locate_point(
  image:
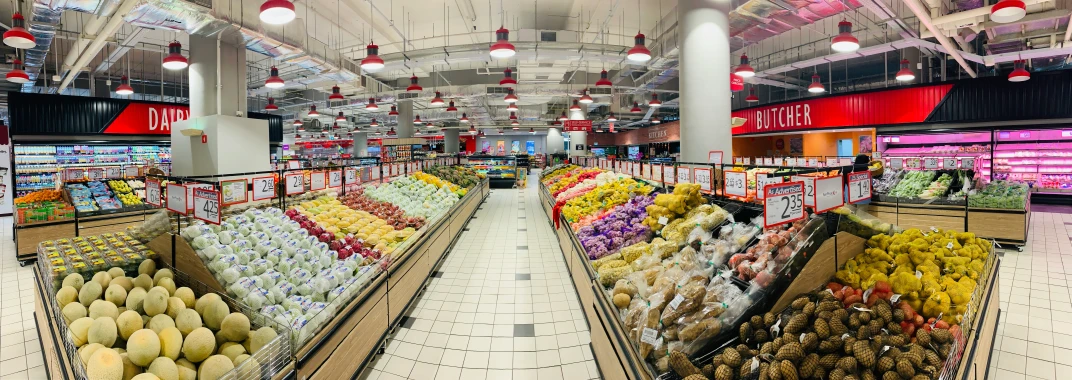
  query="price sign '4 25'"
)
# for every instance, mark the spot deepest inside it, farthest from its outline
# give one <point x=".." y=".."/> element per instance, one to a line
<point x="784" y="203"/>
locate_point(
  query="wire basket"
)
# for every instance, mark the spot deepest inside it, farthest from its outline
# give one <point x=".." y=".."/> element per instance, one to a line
<point x="264" y="364"/>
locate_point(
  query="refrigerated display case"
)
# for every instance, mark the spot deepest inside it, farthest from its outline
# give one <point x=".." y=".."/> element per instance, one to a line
<point x="940" y="146"/>
<point x="498" y="169"/>
<point x="37" y="166"/>
<point x="1042" y="159"/>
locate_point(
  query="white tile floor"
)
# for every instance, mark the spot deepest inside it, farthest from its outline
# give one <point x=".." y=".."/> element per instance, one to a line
<point x="20" y="349"/>
<point x="503" y="308"/>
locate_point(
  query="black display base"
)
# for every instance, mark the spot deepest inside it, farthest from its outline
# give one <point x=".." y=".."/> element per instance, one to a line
<point x="1056" y="199"/>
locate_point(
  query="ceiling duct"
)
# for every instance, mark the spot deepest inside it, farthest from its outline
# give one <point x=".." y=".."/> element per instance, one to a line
<point x="44" y="21"/>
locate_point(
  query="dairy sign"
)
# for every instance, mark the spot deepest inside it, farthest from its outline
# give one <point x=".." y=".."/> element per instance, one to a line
<point x="139" y="118"/>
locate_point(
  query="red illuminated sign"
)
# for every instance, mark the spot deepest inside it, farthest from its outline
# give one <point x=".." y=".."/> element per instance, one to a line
<point x="577" y="125"/>
<point x="147" y="119"/>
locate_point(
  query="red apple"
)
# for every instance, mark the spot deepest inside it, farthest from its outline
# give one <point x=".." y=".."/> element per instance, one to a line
<point x="325" y="237"/>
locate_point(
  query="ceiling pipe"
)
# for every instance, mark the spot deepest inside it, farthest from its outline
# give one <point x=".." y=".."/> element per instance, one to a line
<point x="98" y="42"/>
<point x="984" y="11"/>
<point x="925" y="19"/>
<point x="89" y="31"/>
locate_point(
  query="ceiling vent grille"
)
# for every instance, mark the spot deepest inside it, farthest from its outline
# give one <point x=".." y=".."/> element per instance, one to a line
<point x="408" y="95"/>
<point x="543" y="77"/>
<point x="547" y="64"/>
<point x="497" y="90"/>
<point x="548" y="36"/>
<point x="599" y="91"/>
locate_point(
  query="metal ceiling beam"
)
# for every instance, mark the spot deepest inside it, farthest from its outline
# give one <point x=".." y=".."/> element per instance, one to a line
<point x="925" y="19"/>
<point x="125" y="45"/>
<point x="365" y="13"/>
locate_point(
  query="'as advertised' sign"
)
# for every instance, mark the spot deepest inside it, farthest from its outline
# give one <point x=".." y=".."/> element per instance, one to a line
<point x="207" y="205"/>
<point x="784" y="203"/>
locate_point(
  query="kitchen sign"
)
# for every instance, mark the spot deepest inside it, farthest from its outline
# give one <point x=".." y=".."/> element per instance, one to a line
<point x="577" y="126"/>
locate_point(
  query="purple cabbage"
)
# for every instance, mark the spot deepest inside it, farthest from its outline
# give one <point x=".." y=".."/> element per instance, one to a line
<point x="620" y="228"/>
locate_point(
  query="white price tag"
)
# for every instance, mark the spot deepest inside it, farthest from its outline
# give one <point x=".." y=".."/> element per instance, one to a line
<point x="668" y="175"/>
<point x="207" y="205"/>
<point x="949" y="245"/>
<point x="897" y="163"/>
<point x="131" y="171"/>
<point x="645" y="171"/>
<point x="738" y="160"/>
<point x="294" y="183"/>
<point x="762" y="182"/>
<point x="351" y="176"/>
<point x="748" y="160"/>
<point x="674" y="303"/>
<point x="317" y="181"/>
<point x="967" y="163"/>
<point x="375" y="172"/>
<point x="683" y="175"/>
<point x="914" y="163"/>
<point x="828" y="194"/>
<point x="176" y="198"/>
<point x="714" y="157"/>
<point x="845" y="161"/>
<point x="813" y="162"/>
<point x="702" y="177"/>
<point x="636" y="169"/>
<point x="95" y="174"/>
<point x="831" y="162"/>
<point x="809" y="188"/>
<point x="930" y="163"/>
<point x="335" y="178"/>
<point x="791" y="161"/>
<point x="894" y="298"/>
<point x="859" y="186"/>
<point x="113" y="172"/>
<point x="663" y="220"/>
<point x="649" y="336"/>
<point x="234" y="192"/>
<point x="190" y="193"/>
<point x="263" y="188"/>
<point x="293" y="165"/>
<point x="919" y="274"/>
<point x="768" y="161"/>
<point x="735" y="183"/>
<point x="152" y="192"/>
<point x="949" y="163"/>
<point x="784" y="203"/>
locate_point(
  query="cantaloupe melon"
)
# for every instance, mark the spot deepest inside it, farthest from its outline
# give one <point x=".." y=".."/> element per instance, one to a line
<point x="198" y="345"/>
<point x="116" y="294"/>
<point x="90" y="292"/>
<point x="126" y="282"/>
<point x="187" y="370"/>
<point x="66" y="295"/>
<point x="214" y="314"/>
<point x="214" y="367"/>
<point x="260" y="338"/>
<point x="155" y="301"/>
<point x="187" y="321"/>
<point x="164" y="368"/>
<point x="105" y="364"/>
<point x="102" y="308"/>
<point x="87" y="351"/>
<point x="102" y="331"/>
<point x="74" y="280"/>
<point x="231" y="350"/>
<point x="135" y="298"/>
<point x="251" y="370"/>
<point x="162" y="274"/>
<point x="79" y="331"/>
<point x="116" y="272"/>
<point x="174" y="305"/>
<point x="167" y="283"/>
<point x="73" y="311"/>
<point x="128" y="322"/>
<point x="143" y="347"/>
<point x="144" y="282"/>
<point x="186" y="295"/>
<point x="102" y="278"/>
<point x="147" y="267"/>
<point x="235" y="327"/>
<point x="160" y="322"/>
<point x="130" y="370"/>
<point x="145" y="376"/>
<point x="170" y="343"/>
<point x="205" y="300"/>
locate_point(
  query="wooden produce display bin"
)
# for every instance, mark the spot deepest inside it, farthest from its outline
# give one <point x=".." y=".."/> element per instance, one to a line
<point x="1002" y="225"/>
<point x="350" y="341"/>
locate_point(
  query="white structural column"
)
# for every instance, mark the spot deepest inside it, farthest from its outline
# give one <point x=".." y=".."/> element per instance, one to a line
<point x="703" y="26"/>
<point x="405" y="119"/>
<point x="360" y="144"/>
<point x="450" y="141"/>
<point x="554" y="141"/>
<point x="578" y="139"/>
<point x="217" y="78"/>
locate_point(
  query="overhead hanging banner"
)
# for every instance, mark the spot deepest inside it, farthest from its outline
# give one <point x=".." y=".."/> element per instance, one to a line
<point x="577" y="125"/>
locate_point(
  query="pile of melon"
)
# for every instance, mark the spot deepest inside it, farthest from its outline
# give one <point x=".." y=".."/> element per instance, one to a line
<point x="146" y="328"/>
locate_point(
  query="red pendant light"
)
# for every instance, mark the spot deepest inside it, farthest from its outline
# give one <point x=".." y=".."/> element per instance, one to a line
<point x="392" y="132"/>
<point x="845" y="42"/>
<point x="508" y="78"/>
<point x="611" y="118"/>
<point x="277" y="12"/>
<point x="274" y="81"/>
<point x="429" y="125"/>
<point x="271" y="105"/>
<point x="335" y="93"/>
<point x="312" y="111"/>
<point x="174" y="59"/>
<point x="451" y="107"/>
<point x="417" y="132"/>
<point x="464" y="119"/>
<point x="656" y="120"/>
<point x="603" y="81"/>
<point x="585" y="98"/>
<point x="372" y="60"/>
<point x="515" y="123"/>
<point x="297" y="137"/>
<point x="501" y="131"/>
<point x="816" y="86"/>
<point x="480" y="134"/>
<point x="532" y="131"/>
<point x="393" y="112"/>
<point x="556" y="123"/>
<point x="413" y="85"/>
<point x="437" y="100"/>
<point x="335" y="125"/>
<point x="301" y="128"/>
<point x="341" y="117"/>
<point x="17" y="37"/>
<point x="417" y="119"/>
<point x="905" y="74"/>
<point x="18" y="75"/>
<point x="575" y="106"/>
<point x="510" y="97"/>
<point x="502" y="48"/>
<point x="639" y="53"/>
<point x="654" y="102"/>
<point x="563" y="116"/>
<point x="752" y="98"/>
<point x="298" y="122"/>
<point x="511" y="107"/>
<point x="374" y="123"/>
<point x="350" y="134"/>
<point x="371" y="105"/>
<point x="472" y="129"/>
<point x="1005" y="11"/>
<point x="513" y="116"/>
<point x="124" y="86"/>
<point x="636" y="108"/>
<point x="1019" y="73"/>
<point x="745" y="70"/>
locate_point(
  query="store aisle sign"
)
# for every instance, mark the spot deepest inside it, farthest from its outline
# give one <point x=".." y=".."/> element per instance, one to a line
<point x="207" y="205"/>
<point x="263" y="188"/>
<point x="809" y="188"/>
<point x="294" y="183"/>
<point x="930" y="163"/>
<point x="152" y="192"/>
<point x="577" y="126"/>
<point x="784" y="203"/>
<point x="147" y="119"/>
<point x="234" y="192"/>
<point x="317" y="181"/>
<point x="735" y="183"/>
<point x="762" y="182"/>
<point x="702" y="177"/>
<point x="828" y="194"/>
<point x="859" y="186"/>
<point x="176" y="198"/>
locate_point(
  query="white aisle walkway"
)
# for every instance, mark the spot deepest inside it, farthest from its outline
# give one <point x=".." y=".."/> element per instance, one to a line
<point x="503" y="306"/>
